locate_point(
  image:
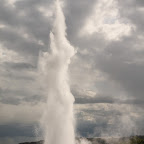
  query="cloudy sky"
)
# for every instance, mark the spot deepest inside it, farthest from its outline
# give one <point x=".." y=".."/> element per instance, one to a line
<point x="106" y="74"/>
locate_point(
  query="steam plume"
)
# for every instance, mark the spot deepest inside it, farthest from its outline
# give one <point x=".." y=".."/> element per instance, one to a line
<point x="58" y="119"/>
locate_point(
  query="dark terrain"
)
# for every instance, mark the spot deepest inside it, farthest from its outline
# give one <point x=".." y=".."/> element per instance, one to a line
<point x="123" y="140"/>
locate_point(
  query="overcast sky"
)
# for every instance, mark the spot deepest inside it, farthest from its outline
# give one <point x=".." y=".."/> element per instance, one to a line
<point x="106" y="74"/>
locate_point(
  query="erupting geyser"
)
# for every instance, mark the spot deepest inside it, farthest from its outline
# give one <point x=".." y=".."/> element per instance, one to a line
<point x="58" y="119"/>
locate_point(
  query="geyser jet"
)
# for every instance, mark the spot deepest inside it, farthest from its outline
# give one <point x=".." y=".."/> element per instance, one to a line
<point x="58" y="118"/>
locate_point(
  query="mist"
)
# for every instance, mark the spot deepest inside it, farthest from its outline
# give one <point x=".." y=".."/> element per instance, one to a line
<point x="58" y="118"/>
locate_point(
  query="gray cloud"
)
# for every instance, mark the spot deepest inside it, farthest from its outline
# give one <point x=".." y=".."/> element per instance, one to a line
<point x="112" y="69"/>
<point x="9" y="100"/>
<point x="108" y="100"/>
<point x="132" y="11"/>
<point x="94" y="100"/>
<point x="16" y="140"/>
<point x="107" y="120"/>
<point x="14" y="41"/>
<point x="20" y="66"/>
<point x="35" y="99"/>
<point x="117" y="63"/>
<point x="32" y="22"/>
<point x="15" y="130"/>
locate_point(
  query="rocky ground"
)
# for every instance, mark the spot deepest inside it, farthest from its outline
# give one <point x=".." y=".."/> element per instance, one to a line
<point x="124" y="140"/>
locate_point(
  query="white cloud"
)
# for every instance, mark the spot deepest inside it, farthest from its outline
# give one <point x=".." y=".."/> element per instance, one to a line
<point x="24" y="30"/>
<point x="24" y="113"/>
<point x="47" y="12"/>
<point x="105" y="19"/>
<point x="7" y="55"/>
<point x="111" y="120"/>
<point x="11" y="2"/>
<point x="2" y="26"/>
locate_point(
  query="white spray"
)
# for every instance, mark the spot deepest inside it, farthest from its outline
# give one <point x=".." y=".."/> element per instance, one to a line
<point x="58" y="119"/>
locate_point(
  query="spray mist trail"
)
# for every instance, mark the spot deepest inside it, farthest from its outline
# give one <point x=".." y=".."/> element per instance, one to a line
<point x="58" y="119"/>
